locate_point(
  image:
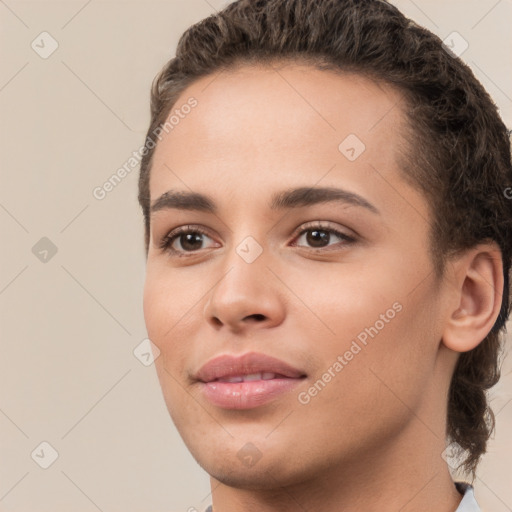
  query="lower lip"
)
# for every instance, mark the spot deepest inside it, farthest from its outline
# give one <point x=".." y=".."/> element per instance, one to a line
<point x="246" y="395"/>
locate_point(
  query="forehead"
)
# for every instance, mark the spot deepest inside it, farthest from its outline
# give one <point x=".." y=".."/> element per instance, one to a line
<point x="281" y="123"/>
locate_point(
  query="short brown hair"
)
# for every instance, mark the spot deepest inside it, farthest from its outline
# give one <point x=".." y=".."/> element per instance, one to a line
<point x="463" y="167"/>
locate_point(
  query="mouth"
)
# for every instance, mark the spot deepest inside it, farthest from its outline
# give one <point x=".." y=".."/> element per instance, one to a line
<point x="249" y="366"/>
<point x="247" y="381"/>
<point x="251" y="377"/>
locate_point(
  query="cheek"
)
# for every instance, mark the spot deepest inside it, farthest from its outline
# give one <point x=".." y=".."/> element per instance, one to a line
<point x="163" y="314"/>
<point x="166" y="306"/>
<point x="340" y="301"/>
<point x="393" y="370"/>
<point x="377" y="386"/>
<point x="168" y="301"/>
<point x="384" y="334"/>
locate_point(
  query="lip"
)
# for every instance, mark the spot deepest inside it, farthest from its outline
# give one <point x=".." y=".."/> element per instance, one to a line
<point x="249" y="394"/>
<point x="227" y="365"/>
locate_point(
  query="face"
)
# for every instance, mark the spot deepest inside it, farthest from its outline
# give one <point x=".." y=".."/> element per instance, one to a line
<point x="340" y="289"/>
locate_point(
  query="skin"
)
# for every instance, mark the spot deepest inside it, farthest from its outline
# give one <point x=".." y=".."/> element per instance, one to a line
<point x="372" y="438"/>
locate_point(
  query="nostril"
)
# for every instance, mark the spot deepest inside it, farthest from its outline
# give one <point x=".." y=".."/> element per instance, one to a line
<point x="257" y="316"/>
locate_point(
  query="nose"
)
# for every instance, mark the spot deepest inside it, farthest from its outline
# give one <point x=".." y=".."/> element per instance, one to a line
<point x="247" y="296"/>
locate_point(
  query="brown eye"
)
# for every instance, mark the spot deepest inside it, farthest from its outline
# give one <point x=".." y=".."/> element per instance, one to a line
<point x="190" y="241"/>
<point x="183" y="240"/>
<point x="319" y="236"/>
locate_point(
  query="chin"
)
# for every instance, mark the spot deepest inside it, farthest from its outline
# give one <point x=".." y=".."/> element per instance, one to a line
<point x="264" y="477"/>
<point x="269" y="469"/>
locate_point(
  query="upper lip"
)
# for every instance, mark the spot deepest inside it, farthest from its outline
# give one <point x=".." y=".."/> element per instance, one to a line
<point x="227" y="365"/>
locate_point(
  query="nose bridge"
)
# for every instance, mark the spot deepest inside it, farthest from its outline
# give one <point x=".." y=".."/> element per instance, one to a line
<point x="249" y="248"/>
<point x="245" y="270"/>
<point x="243" y="291"/>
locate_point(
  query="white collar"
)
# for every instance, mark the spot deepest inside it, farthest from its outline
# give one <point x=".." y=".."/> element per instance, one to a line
<point x="468" y="503"/>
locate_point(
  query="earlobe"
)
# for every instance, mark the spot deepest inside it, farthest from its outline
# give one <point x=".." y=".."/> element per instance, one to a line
<point x="478" y="296"/>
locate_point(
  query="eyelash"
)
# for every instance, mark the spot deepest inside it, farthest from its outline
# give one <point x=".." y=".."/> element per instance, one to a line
<point x="167" y="241"/>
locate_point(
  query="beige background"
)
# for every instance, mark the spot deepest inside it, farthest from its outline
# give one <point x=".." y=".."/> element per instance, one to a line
<point x="68" y="374"/>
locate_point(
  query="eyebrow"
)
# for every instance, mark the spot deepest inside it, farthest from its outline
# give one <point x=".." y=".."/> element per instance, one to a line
<point x="286" y="199"/>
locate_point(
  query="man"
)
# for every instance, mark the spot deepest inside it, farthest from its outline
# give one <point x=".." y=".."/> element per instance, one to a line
<point x="328" y="256"/>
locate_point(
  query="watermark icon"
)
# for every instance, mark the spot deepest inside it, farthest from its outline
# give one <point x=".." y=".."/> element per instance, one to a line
<point x="44" y="455"/>
<point x="351" y="147"/>
<point x="249" y="249"/>
<point x="100" y="192"/>
<point x="146" y="352"/>
<point x="44" y="45"/>
<point x="508" y="192"/>
<point x="304" y="397"/>
<point x="455" y="44"/>
<point x="44" y="250"/>
<point x="452" y="455"/>
<point x="249" y="454"/>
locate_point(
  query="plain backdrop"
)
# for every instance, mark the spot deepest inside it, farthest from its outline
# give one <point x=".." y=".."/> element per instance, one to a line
<point x="72" y="266"/>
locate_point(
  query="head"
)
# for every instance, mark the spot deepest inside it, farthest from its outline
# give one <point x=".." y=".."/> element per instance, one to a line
<point x="277" y="93"/>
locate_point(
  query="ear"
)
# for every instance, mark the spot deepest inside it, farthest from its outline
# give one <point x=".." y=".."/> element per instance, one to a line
<point x="478" y="292"/>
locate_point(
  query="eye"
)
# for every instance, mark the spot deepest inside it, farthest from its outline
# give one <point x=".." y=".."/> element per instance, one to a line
<point x="188" y="237"/>
<point x="319" y="235"/>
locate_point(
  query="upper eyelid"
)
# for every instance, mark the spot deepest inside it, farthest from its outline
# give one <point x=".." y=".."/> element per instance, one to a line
<point x="318" y="224"/>
<point x="303" y="227"/>
<point x="348" y="237"/>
